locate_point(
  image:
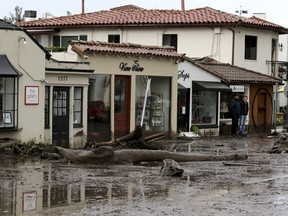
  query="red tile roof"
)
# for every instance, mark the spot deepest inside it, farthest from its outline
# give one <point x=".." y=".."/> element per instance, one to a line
<point x="85" y="47"/>
<point x="131" y="15"/>
<point x="233" y="74"/>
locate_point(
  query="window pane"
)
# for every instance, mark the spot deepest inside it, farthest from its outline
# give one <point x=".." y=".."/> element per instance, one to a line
<point x="56" y="40"/>
<point x="204" y="107"/>
<point x="114" y="38"/>
<point x="66" y="39"/>
<point x="120" y="96"/>
<point x="8" y="102"/>
<point x="99" y="98"/>
<point x="83" y="37"/>
<point x="170" y="40"/>
<point x="77" y="93"/>
<point x="77" y="118"/>
<point x="250" y="47"/>
<point x="9" y="85"/>
<point x="156" y="112"/>
<point x="77" y="105"/>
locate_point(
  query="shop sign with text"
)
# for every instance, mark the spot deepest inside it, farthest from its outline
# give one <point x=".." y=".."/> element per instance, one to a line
<point x="135" y="66"/>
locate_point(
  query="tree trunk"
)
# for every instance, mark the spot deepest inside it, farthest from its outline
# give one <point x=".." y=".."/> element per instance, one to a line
<point x="106" y="154"/>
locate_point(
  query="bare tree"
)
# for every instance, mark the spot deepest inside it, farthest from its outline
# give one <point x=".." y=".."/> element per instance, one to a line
<point x="16" y="17"/>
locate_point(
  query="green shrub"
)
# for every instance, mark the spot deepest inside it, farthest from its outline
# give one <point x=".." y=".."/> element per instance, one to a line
<point x="195" y="129"/>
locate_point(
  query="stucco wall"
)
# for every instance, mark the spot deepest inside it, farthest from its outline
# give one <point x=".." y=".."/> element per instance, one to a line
<point x="264" y="49"/>
<point x="29" y="60"/>
<point x="195" y="42"/>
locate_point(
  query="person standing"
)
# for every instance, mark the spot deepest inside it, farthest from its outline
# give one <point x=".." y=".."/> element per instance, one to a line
<point x="235" y="113"/>
<point x="243" y="114"/>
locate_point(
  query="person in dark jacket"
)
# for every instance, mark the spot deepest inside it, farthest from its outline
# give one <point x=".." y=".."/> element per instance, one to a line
<point x="235" y="113"/>
<point x="243" y="114"/>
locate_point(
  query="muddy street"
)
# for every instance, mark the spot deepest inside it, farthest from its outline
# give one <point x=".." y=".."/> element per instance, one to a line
<point x="257" y="186"/>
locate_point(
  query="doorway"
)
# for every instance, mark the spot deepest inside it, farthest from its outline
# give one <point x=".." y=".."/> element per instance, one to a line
<point x="122" y="105"/>
<point x="60" y="128"/>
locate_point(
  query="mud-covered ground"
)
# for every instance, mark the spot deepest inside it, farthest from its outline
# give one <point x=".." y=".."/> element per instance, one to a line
<point x="258" y="187"/>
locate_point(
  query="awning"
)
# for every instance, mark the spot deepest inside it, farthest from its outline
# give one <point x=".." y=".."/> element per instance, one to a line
<point x="211" y="86"/>
<point x="181" y="86"/>
<point x="6" y="69"/>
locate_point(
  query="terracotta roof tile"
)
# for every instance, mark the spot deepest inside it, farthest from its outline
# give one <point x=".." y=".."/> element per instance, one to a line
<point x="133" y="15"/>
<point x="233" y="74"/>
<point x="85" y="47"/>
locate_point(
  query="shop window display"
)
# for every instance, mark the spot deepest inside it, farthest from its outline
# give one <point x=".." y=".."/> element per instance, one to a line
<point x="204" y="107"/>
<point x="155" y="110"/>
<point x="99" y="95"/>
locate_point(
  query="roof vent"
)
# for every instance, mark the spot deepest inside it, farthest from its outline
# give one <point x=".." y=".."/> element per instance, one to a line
<point x="30" y="15"/>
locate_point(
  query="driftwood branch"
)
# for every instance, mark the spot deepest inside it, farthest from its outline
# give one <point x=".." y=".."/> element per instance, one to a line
<point x="133" y="140"/>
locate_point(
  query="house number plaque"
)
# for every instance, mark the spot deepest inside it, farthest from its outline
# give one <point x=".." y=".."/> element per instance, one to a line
<point x="62" y="78"/>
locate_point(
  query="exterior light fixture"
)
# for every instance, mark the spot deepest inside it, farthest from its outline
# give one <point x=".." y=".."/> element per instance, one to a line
<point x="280" y="47"/>
<point x="22" y="38"/>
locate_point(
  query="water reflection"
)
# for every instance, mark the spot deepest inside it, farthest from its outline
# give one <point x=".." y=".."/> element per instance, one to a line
<point x="33" y="190"/>
<point x="45" y="189"/>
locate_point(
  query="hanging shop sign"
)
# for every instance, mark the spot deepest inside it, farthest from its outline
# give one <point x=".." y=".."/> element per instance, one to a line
<point x="237" y="88"/>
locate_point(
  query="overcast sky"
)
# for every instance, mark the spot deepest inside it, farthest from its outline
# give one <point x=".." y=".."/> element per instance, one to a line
<point x="275" y="10"/>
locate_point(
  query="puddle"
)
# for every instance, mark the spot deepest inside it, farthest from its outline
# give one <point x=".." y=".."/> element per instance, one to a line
<point x="206" y="188"/>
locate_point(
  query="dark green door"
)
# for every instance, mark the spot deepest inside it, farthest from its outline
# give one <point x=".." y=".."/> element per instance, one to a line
<point x="60" y="130"/>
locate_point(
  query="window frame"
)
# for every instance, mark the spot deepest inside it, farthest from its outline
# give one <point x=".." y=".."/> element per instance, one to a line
<point x="78" y="124"/>
<point x="112" y="37"/>
<point x="12" y="113"/>
<point x="171" y="39"/>
<point x="60" y="39"/>
<point x="47" y="112"/>
<point x="249" y="53"/>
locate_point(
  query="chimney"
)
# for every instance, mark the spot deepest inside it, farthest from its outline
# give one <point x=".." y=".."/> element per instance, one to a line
<point x="260" y="15"/>
<point x="83" y="6"/>
<point x="183" y="5"/>
<point x="30" y="15"/>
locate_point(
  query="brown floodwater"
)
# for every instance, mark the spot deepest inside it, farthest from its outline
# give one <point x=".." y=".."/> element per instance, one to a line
<point x="258" y="187"/>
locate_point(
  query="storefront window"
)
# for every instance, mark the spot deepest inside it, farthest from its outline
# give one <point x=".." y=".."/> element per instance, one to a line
<point x="155" y="114"/>
<point x="204" y="107"/>
<point x="99" y="95"/>
<point x="8" y="102"/>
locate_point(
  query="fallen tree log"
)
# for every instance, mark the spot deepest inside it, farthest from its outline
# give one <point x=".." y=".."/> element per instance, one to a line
<point x="106" y="154"/>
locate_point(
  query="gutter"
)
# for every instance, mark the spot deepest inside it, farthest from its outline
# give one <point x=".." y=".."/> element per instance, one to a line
<point x="233" y="45"/>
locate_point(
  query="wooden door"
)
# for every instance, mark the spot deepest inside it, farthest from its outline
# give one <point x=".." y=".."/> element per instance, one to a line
<point x="261" y="118"/>
<point x="122" y="105"/>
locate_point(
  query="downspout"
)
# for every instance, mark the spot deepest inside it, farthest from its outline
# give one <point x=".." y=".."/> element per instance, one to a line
<point x="233" y="45"/>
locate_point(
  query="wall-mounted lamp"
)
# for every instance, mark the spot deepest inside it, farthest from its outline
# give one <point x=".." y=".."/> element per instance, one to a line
<point x="22" y="38"/>
<point x="280" y="47"/>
